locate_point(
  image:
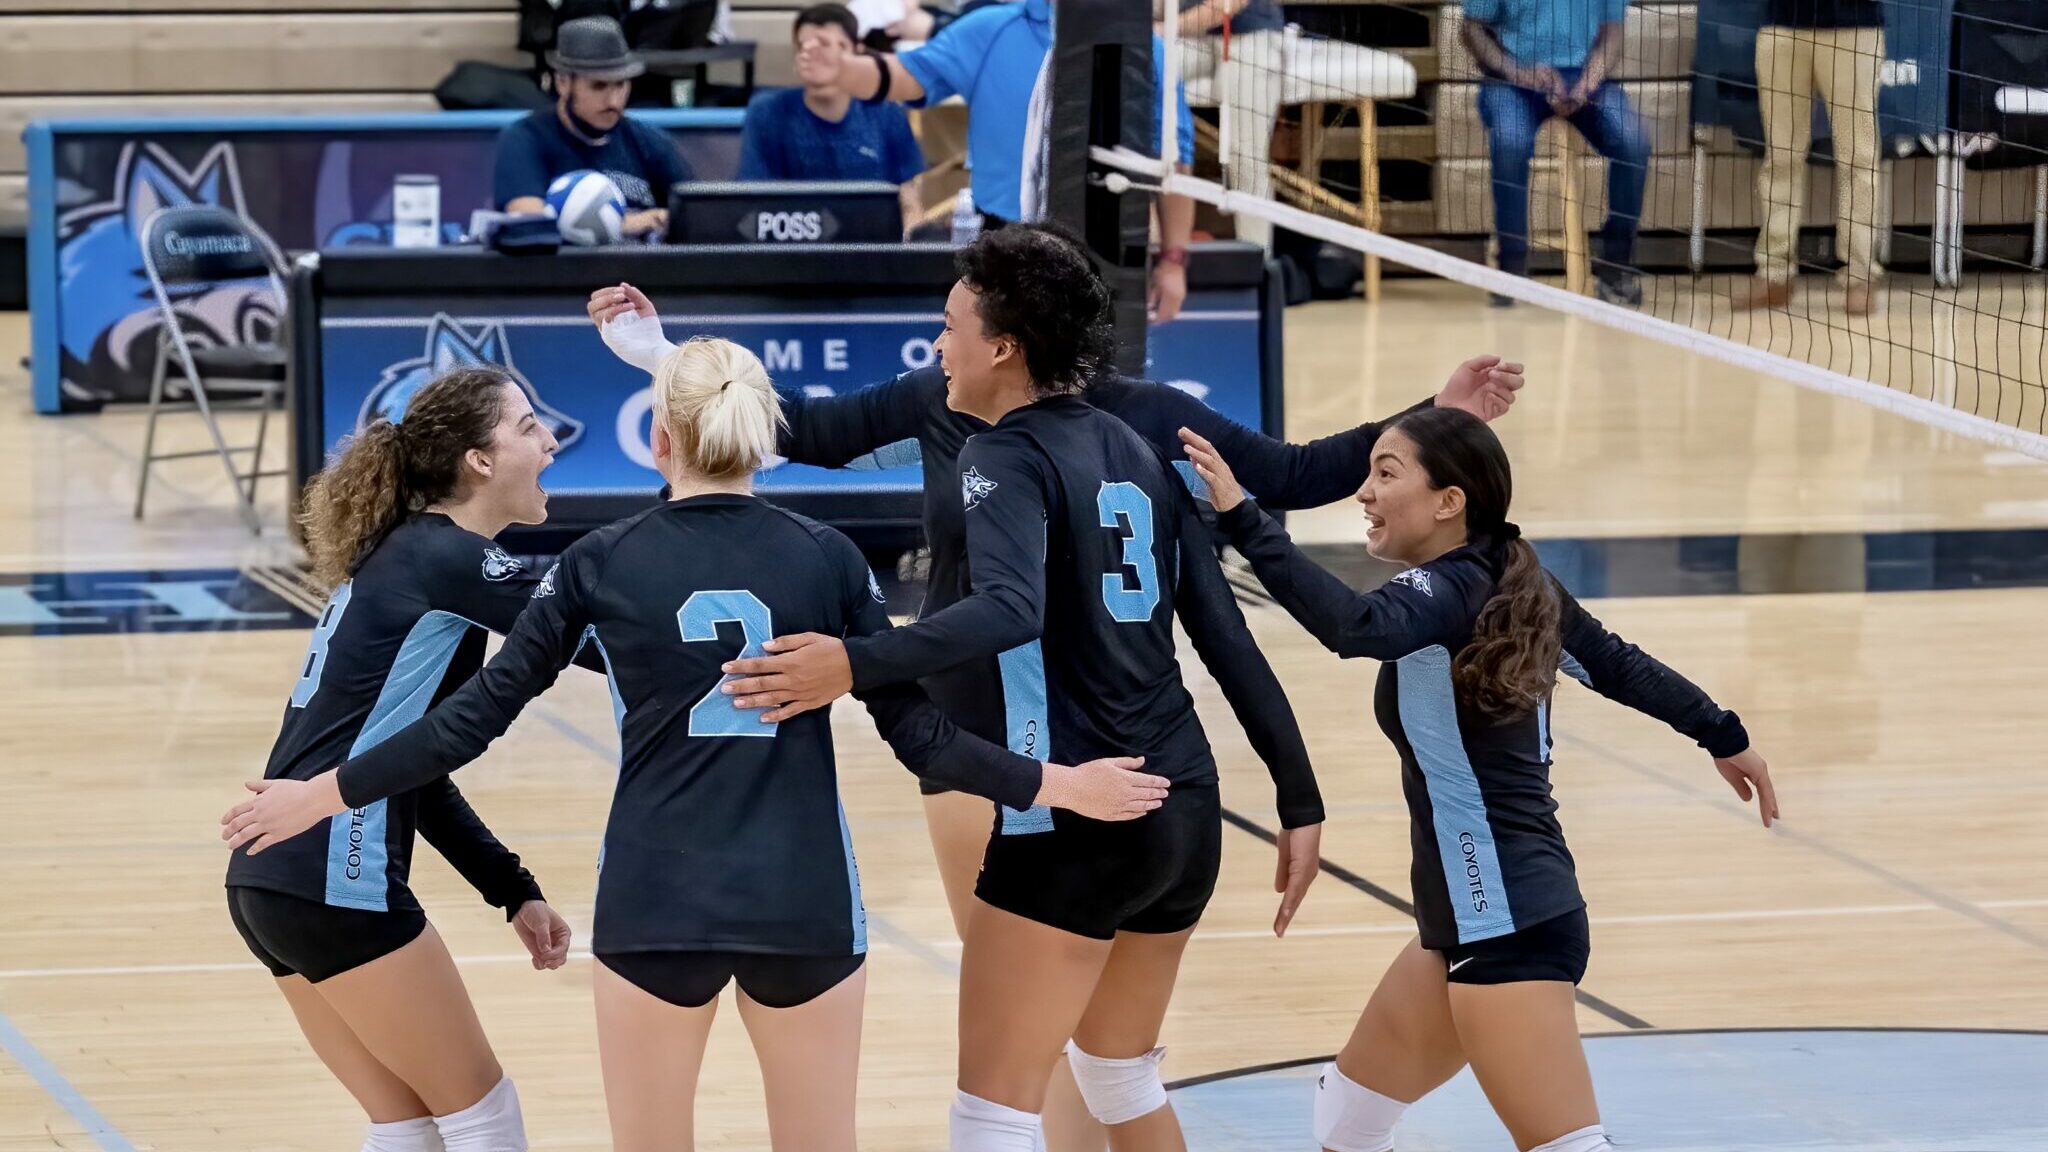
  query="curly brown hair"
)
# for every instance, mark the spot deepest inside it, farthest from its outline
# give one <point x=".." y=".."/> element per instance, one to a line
<point x="1036" y="284"/>
<point x="386" y="471"/>
<point x="1510" y="665"/>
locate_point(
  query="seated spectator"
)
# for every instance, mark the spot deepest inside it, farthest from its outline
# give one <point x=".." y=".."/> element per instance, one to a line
<point x="1837" y="47"/>
<point x="1545" y="58"/>
<point x="818" y="132"/>
<point x="588" y="128"/>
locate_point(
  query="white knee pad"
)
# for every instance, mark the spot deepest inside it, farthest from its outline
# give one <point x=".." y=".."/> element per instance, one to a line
<point x="1118" y="1091"/>
<point x="492" y="1124"/>
<point x="1351" y="1117"/>
<point x="978" y="1125"/>
<point x="1588" y="1139"/>
<point x="417" y="1135"/>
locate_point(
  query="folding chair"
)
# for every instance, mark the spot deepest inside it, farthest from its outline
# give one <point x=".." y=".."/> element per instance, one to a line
<point x="185" y="252"/>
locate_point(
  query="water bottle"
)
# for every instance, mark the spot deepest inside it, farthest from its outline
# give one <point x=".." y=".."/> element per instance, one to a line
<point x="966" y="221"/>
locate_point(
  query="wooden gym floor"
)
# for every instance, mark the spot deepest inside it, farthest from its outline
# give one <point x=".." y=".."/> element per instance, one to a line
<point x="1907" y="887"/>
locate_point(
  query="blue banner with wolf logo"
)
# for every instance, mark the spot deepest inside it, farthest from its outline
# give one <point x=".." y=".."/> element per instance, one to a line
<point x="310" y="182"/>
<point x="599" y="408"/>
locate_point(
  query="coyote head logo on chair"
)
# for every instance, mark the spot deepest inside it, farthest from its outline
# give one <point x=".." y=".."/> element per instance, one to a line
<point x="109" y="323"/>
<point x="449" y="345"/>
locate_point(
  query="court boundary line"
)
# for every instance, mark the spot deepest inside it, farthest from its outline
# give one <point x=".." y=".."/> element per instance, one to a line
<point x="1594" y="1003"/>
<point x="60" y="1088"/>
<point x="1305" y="1061"/>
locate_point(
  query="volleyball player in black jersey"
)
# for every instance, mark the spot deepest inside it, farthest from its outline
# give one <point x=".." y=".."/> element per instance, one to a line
<point x="727" y="854"/>
<point x="400" y="527"/>
<point x="1470" y="640"/>
<point x="907" y="419"/>
<point x="1084" y="546"/>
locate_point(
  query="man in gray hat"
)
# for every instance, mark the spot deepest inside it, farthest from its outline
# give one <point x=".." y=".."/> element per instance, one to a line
<point x="588" y="128"/>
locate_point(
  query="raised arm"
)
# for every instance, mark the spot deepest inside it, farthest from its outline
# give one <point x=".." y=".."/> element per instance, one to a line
<point x="1386" y="624"/>
<point x="1627" y="675"/>
<point x="1282" y="475"/>
<point x="828" y="431"/>
<point x="1207" y="608"/>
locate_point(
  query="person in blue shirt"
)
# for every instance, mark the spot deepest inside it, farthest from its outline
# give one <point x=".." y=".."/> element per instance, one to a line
<point x="1470" y="640"/>
<point x="991" y="58"/>
<point x="588" y="128"/>
<point x="1545" y="58"/>
<point x="817" y="132"/>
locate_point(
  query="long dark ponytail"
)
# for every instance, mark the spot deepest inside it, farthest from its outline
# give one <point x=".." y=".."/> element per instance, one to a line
<point x="1510" y="666"/>
<point x="387" y="471"/>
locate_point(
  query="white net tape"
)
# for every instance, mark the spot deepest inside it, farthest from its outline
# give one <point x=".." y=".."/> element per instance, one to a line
<point x="1962" y="347"/>
<point x="1154" y="176"/>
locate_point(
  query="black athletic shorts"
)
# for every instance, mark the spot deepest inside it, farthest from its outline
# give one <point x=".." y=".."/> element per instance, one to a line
<point x="294" y="936"/>
<point x="1095" y="879"/>
<point x="694" y="979"/>
<point x="1555" y="949"/>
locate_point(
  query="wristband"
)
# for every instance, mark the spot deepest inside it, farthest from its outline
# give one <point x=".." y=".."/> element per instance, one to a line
<point x="1176" y="255"/>
<point x="881" y="86"/>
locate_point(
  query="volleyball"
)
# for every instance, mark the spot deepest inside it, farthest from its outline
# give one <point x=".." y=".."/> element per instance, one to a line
<point x="588" y="208"/>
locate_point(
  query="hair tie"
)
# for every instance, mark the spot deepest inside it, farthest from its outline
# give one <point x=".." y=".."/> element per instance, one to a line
<point x="1508" y="531"/>
<point x="723" y="387"/>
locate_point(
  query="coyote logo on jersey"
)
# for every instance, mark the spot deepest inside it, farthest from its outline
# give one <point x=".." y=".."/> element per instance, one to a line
<point x="500" y="566"/>
<point x="974" y="487"/>
<point x="1418" y="579"/>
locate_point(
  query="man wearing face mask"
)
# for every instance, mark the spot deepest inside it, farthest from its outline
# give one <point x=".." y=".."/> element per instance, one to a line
<point x="588" y="128"/>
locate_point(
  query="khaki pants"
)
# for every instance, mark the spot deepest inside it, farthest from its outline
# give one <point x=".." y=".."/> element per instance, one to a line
<point x="1843" y="64"/>
<point x="1251" y="82"/>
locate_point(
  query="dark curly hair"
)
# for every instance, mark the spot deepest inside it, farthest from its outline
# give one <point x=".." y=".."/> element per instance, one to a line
<point x="1036" y="284"/>
<point x="387" y="471"/>
<point x="1510" y="666"/>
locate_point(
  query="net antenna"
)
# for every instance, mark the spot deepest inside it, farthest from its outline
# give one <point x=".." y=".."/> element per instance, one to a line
<point x="1101" y="97"/>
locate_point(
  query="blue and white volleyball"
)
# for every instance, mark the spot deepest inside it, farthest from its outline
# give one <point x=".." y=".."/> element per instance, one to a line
<point x="588" y="208"/>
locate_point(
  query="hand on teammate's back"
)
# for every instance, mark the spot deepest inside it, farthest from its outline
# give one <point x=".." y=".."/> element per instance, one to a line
<point x="1485" y="386"/>
<point x="1747" y="773"/>
<point x="1225" y="492"/>
<point x="545" y="934"/>
<point x="280" y="810"/>
<point x="1107" y="789"/>
<point x="805" y="671"/>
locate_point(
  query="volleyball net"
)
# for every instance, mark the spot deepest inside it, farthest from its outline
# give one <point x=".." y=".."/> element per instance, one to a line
<point x="1857" y="208"/>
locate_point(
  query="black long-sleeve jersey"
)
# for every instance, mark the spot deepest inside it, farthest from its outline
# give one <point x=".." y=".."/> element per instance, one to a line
<point x="1084" y="545"/>
<point x="396" y="637"/>
<point x="1489" y="853"/>
<point x="834" y="431"/>
<point x="725" y="833"/>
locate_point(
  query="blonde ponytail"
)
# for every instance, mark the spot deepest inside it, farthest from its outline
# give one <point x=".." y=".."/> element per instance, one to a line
<point x="720" y="409"/>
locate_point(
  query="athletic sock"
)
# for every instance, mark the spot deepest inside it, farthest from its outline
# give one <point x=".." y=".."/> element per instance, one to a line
<point x="1592" y="1138"/>
<point x="416" y="1135"/>
<point x="985" y="1126"/>
<point x="492" y="1124"/>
